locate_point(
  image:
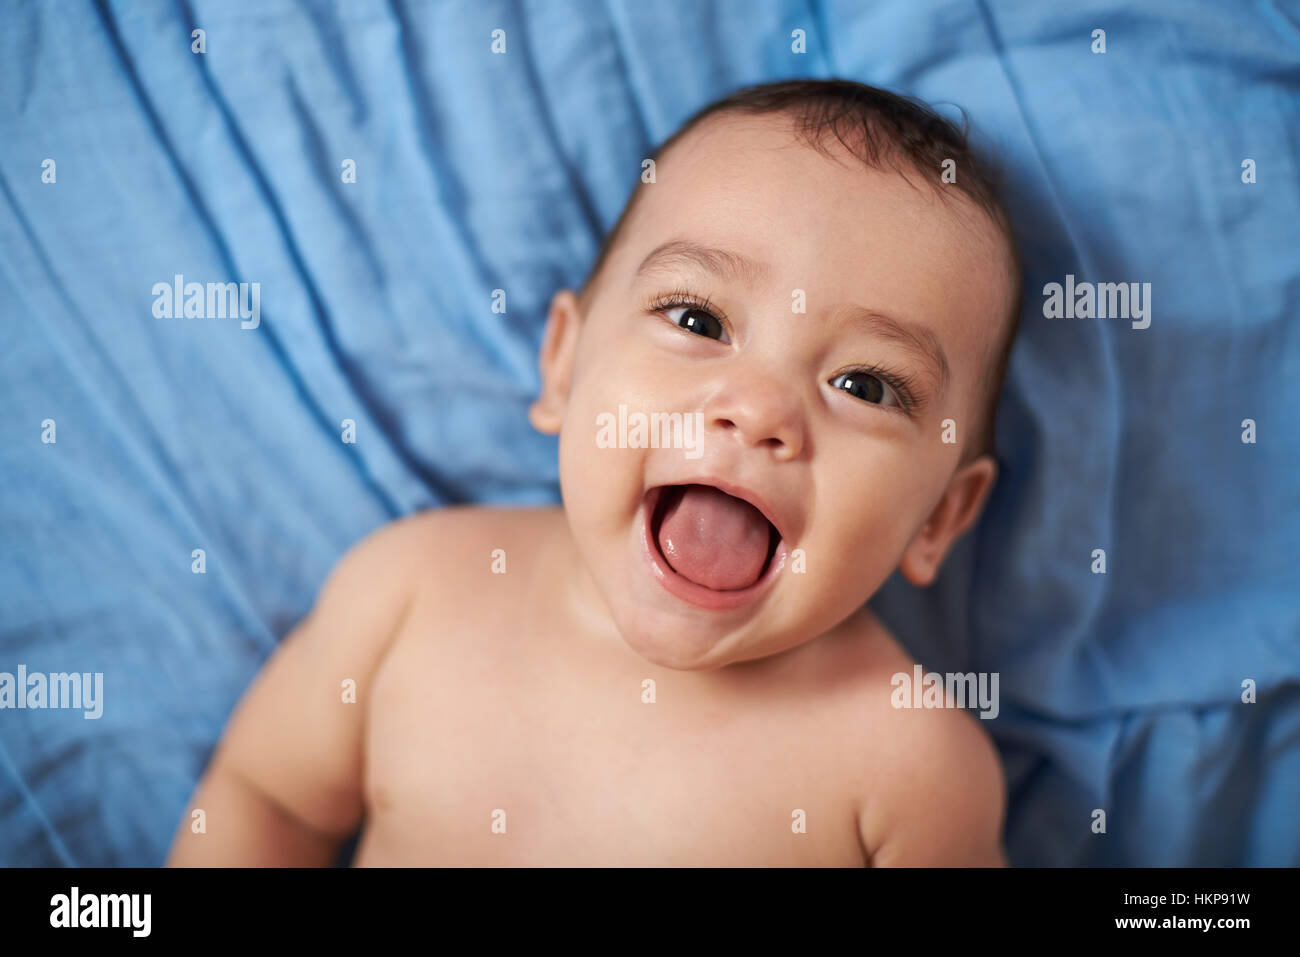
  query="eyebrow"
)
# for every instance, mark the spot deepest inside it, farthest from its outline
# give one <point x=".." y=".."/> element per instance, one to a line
<point x="720" y="262"/>
<point x="918" y="340"/>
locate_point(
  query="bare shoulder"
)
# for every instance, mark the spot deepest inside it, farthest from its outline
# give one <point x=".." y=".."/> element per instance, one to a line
<point x="446" y="548"/>
<point x="455" y="525"/>
<point x="931" y="788"/>
<point x="452" y="530"/>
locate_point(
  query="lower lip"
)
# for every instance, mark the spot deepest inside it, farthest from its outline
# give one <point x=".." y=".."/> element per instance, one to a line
<point x="687" y="590"/>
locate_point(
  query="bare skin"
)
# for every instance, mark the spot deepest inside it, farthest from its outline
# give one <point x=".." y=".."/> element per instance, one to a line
<point x="546" y="722"/>
<point x="569" y="709"/>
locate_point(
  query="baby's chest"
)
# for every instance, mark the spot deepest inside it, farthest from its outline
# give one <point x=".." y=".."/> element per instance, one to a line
<point x="485" y="760"/>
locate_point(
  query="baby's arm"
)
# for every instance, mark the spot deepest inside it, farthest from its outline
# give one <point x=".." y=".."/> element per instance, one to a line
<point x="948" y="798"/>
<point x="285" y="784"/>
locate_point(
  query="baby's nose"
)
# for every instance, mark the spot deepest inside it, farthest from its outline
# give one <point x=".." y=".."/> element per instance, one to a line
<point x="759" y="411"/>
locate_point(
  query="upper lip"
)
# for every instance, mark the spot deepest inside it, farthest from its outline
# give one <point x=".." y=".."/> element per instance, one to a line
<point x="742" y="493"/>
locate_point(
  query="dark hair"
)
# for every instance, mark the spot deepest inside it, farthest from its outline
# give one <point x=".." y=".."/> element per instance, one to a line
<point x="879" y="128"/>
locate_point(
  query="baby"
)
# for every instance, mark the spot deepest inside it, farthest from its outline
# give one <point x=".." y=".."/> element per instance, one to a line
<point x="811" y="300"/>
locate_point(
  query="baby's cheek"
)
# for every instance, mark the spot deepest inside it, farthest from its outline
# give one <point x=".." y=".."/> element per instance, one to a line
<point x="601" y="478"/>
<point x="862" y="549"/>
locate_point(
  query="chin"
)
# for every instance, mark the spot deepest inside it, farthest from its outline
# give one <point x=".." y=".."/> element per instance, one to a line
<point x="680" y="649"/>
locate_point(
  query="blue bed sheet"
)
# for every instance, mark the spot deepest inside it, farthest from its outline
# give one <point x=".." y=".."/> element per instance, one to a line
<point x="478" y="171"/>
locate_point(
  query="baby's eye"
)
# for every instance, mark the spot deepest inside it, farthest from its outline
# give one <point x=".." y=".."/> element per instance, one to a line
<point x="694" y="319"/>
<point x="866" y="387"/>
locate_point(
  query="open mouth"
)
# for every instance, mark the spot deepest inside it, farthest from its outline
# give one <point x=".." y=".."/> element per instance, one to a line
<point x="711" y="539"/>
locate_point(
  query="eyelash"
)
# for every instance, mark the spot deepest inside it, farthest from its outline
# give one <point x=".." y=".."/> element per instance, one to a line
<point x="901" y="383"/>
<point x="685" y="298"/>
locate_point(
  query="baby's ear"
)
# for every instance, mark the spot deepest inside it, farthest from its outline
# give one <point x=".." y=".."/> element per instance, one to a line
<point x="555" y="362"/>
<point x="956" y="512"/>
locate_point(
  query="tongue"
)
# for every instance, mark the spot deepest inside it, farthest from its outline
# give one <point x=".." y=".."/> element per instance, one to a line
<point x="714" y="539"/>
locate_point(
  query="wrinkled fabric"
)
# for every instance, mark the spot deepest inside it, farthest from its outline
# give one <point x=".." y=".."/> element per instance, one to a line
<point x="476" y="172"/>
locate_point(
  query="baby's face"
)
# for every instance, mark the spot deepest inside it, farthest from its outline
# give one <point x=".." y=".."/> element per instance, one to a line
<point x="823" y="319"/>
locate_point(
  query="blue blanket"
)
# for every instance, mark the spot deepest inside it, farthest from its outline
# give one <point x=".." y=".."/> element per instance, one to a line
<point x="136" y="450"/>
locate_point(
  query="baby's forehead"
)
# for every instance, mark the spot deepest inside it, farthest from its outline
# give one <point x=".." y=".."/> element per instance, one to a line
<point x="763" y="167"/>
<point x="820" y="219"/>
<point x="794" y="221"/>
